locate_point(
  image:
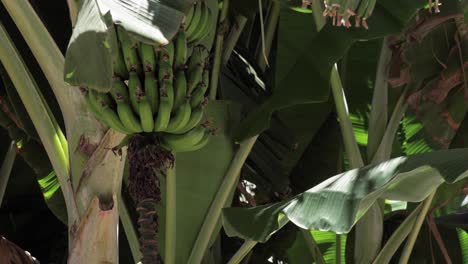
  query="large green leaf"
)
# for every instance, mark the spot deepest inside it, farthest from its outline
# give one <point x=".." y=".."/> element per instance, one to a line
<point x="199" y="175"/>
<point x="305" y="57"/>
<point x="89" y="54"/>
<point x="337" y="203"/>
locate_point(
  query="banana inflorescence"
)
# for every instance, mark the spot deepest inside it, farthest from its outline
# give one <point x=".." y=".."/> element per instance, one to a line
<point x="342" y="10"/>
<point x="160" y="89"/>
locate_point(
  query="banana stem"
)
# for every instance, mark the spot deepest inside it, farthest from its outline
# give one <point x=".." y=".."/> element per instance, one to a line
<point x="242" y="252"/>
<point x="5" y="169"/>
<point x="218" y="50"/>
<point x="170" y="243"/>
<point x="272" y="22"/>
<point x="415" y="230"/>
<point x="227" y="186"/>
<point x="129" y="229"/>
<point x="43" y="121"/>
<point x="233" y="37"/>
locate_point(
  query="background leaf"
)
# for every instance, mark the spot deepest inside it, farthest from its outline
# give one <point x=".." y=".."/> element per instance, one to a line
<point x="303" y="67"/>
<point x="337" y="203"/>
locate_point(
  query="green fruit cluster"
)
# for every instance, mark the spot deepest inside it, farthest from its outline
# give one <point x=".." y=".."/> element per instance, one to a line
<point x="198" y="22"/>
<point x="158" y="90"/>
<point x="342" y="10"/>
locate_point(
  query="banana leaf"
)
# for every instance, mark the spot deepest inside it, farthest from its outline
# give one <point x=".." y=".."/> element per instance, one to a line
<point x="337" y="203"/>
<point x="305" y="57"/>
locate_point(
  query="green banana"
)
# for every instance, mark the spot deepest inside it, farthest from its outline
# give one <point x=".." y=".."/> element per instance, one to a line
<point x="180" y="89"/>
<point x="202" y="25"/>
<point x="198" y="57"/>
<point x="189" y="16"/>
<point x="134" y="90"/>
<point x="198" y="95"/>
<point x="180" y="119"/>
<point x="129" y="51"/>
<point x="151" y="91"/>
<point x="361" y="10"/>
<point x="102" y="103"/>
<point x="165" y="71"/>
<point x="92" y="106"/>
<point x="146" y="114"/>
<point x="206" y="77"/>
<point x="370" y="8"/>
<point x="180" y="50"/>
<point x="195" y="119"/>
<point x="147" y="57"/>
<point x="166" y="53"/>
<point x="164" y="113"/>
<point x="202" y="143"/>
<point x="119" y="90"/>
<point x="194" y="77"/>
<point x="168" y="89"/>
<point x="209" y="27"/>
<point x="194" y="23"/>
<point x="180" y="141"/>
<point x="128" y="118"/>
<point x="119" y="66"/>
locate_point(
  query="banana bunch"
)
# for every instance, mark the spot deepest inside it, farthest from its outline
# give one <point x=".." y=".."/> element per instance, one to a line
<point x="157" y="90"/>
<point x="342" y="10"/>
<point x="198" y="22"/>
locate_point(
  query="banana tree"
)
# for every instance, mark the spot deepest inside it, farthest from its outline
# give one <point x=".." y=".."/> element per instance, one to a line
<point x="151" y="93"/>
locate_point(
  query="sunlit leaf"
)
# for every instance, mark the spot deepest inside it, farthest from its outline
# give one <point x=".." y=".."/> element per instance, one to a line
<point x="337" y="203"/>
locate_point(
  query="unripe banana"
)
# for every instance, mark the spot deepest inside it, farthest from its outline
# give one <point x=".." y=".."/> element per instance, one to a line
<point x="165" y="71"/>
<point x="198" y="95"/>
<point x="180" y="119"/>
<point x="194" y="77"/>
<point x="180" y="89"/>
<point x="168" y="88"/>
<point x="118" y="63"/>
<point x="102" y="103"/>
<point x="206" y="77"/>
<point x="151" y="91"/>
<point x="164" y="113"/>
<point x="209" y="27"/>
<point x="202" y="25"/>
<point x="129" y="50"/>
<point x="92" y="106"/>
<point x="128" y="118"/>
<point x="189" y="16"/>
<point x="147" y="57"/>
<point x="134" y="90"/>
<point x="195" y="119"/>
<point x="188" y="139"/>
<point x="370" y="8"/>
<point x="166" y="53"/>
<point x="146" y="114"/>
<point x="180" y="49"/>
<point x="194" y="23"/>
<point x="202" y="143"/>
<point x="119" y="90"/>
<point x="198" y="56"/>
